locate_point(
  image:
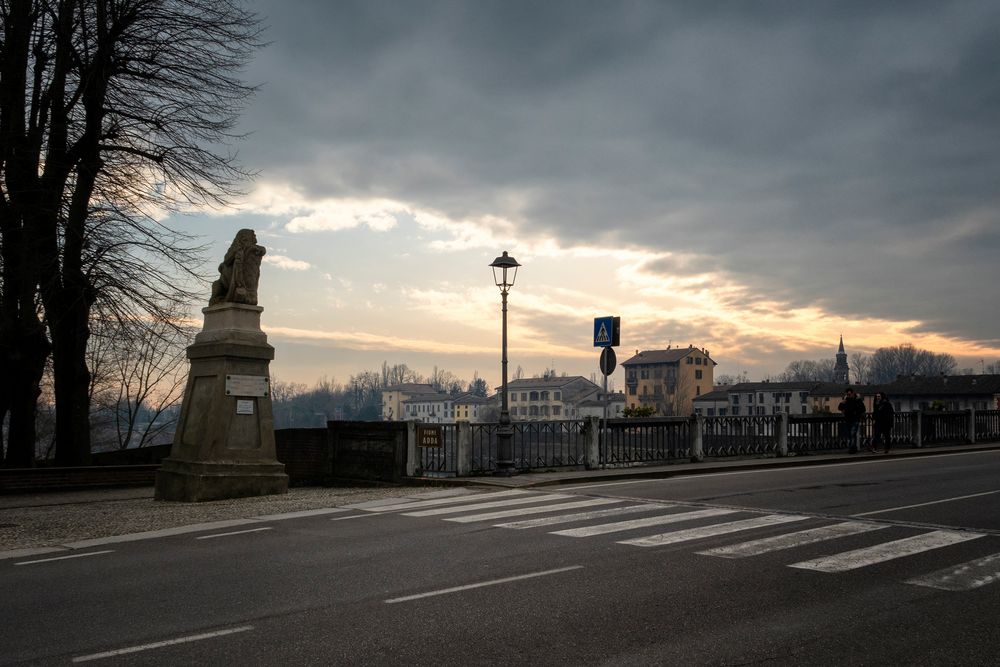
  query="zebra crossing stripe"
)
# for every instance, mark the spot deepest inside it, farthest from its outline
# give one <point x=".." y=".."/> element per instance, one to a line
<point x="965" y="577"/>
<point x="880" y="553"/>
<point x="521" y="511"/>
<point x="710" y="531"/>
<point x="660" y="520"/>
<point x="582" y="516"/>
<point x="415" y="504"/>
<point x="791" y="540"/>
<point x="437" y="511"/>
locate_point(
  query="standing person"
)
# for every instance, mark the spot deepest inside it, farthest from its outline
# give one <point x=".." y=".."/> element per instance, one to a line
<point x="883" y="416"/>
<point x="853" y="409"/>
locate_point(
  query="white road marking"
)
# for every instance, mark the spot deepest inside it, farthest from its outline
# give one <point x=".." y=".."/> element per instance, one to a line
<point x="581" y="516"/>
<point x="235" y="532"/>
<point x="660" y="520"/>
<point x="851" y="560"/>
<point x="522" y="511"/>
<point x="165" y="532"/>
<point x="49" y="560"/>
<point x="481" y="584"/>
<point x="711" y="531"/>
<point x="965" y="577"/>
<point x="933" y="502"/>
<point x="399" y="500"/>
<point x="791" y="540"/>
<point x="416" y="504"/>
<point x="437" y="511"/>
<point x="300" y="514"/>
<point x="168" y="642"/>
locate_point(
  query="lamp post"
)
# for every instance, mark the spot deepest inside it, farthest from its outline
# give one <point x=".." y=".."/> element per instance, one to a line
<point x="504" y="273"/>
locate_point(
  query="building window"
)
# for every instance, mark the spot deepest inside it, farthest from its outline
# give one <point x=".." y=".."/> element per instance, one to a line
<point x="557" y="395"/>
<point x="690" y="360"/>
<point x="657" y="373"/>
<point x="533" y="396"/>
<point x="524" y="396"/>
<point x="556" y="410"/>
<point x="697" y="390"/>
<point x="697" y="374"/>
<point x="722" y="412"/>
<point x="643" y="373"/>
<point x="631" y="392"/>
<point x="749" y="398"/>
<point x="803" y="409"/>
<point x="513" y="397"/>
<point x="711" y="411"/>
<point x="544" y="396"/>
<point x="697" y="361"/>
<point x="761" y="398"/>
<point x="736" y="411"/>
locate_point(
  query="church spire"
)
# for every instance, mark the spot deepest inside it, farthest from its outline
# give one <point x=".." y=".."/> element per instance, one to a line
<point x="841" y="371"/>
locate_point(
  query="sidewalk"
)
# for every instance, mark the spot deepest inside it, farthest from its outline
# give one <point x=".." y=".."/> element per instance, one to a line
<point x="58" y="521"/>
<point x="708" y="466"/>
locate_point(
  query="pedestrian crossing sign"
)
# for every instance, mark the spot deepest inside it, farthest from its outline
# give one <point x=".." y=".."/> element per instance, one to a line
<point x="607" y="331"/>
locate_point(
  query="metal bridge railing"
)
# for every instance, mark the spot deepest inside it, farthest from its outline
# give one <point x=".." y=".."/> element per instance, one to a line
<point x="740" y="436"/>
<point x="628" y="442"/>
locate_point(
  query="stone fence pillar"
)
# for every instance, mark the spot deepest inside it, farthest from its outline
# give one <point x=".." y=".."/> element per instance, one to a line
<point x="463" y="449"/>
<point x="697" y="426"/>
<point x="592" y="442"/>
<point x="783" y="434"/>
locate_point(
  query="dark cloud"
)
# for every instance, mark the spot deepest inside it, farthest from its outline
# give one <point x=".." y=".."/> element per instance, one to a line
<point x="837" y="154"/>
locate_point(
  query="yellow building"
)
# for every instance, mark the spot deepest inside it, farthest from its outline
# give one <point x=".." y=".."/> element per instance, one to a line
<point x="393" y="398"/>
<point x="668" y="380"/>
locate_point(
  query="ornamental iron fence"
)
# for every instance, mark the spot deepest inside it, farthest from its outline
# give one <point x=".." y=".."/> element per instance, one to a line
<point x="568" y="444"/>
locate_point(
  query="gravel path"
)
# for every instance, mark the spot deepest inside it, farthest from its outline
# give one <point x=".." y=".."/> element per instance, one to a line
<point x="51" y="519"/>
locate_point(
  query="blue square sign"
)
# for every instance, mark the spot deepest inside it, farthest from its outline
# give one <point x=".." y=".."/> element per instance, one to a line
<point x="607" y="331"/>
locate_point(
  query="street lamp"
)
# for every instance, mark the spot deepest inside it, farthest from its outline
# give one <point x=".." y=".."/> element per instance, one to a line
<point x="504" y="273"/>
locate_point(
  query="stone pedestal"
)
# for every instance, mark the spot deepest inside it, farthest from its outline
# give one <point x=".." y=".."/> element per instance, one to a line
<point x="224" y="445"/>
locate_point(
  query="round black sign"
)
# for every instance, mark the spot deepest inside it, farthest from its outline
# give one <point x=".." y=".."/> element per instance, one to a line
<point x="608" y="360"/>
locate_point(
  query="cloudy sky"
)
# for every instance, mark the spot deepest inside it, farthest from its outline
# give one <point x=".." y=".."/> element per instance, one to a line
<point x="752" y="178"/>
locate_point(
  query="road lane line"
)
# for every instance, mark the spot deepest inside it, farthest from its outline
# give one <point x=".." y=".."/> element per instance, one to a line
<point x="49" y="560"/>
<point x="965" y="577"/>
<point x="908" y="546"/>
<point x="164" y="532"/>
<point x="437" y="511"/>
<point x="235" y="532"/>
<point x="582" y="516"/>
<point x="660" y="520"/>
<point x="481" y="584"/>
<point x="933" y="502"/>
<point x="300" y="514"/>
<point x="417" y="504"/>
<point x="522" y="511"/>
<point x="791" y="540"/>
<point x="711" y="531"/>
<point x="168" y="642"/>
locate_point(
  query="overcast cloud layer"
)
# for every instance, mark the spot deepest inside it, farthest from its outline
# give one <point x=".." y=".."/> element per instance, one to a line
<point x="840" y="155"/>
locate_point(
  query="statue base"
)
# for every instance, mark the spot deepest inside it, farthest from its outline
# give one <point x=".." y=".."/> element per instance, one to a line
<point x="224" y="444"/>
<point x="194" y="481"/>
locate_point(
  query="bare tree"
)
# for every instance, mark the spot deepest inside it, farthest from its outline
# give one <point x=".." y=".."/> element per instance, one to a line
<point x="888" y="363"/>
<point x="109" y="111"/>
<point x="806" y="370"/>
<point x="144" y="378"/>
<point x="861" y="367"/>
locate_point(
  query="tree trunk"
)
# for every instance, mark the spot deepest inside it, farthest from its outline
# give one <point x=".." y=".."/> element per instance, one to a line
<point x="72" y="386"/>
<point x="25" y="366"/>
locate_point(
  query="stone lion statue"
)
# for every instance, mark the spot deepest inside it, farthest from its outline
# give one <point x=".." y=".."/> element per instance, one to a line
<point x="239" y="272"/>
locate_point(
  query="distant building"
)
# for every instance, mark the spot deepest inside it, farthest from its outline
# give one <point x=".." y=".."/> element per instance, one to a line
<point x="770" y="398"/>
<point x="594" y="407"/>
<point x="472" y="408"/>
<point x="947" y="392"/>
<point x="436" y="408"/>
<point x="394" y="396"/>
<point x="713" y="404"/>
<point x="539" y="399"/>
<point x="669" y="380"/>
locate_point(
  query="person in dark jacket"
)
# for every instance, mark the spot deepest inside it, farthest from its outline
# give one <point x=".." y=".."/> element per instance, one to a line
<point x="883" y="417"/>
<point x="853" y="409"/>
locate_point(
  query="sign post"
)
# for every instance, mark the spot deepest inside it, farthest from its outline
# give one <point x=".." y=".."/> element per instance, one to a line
<point x="607" y="334"/>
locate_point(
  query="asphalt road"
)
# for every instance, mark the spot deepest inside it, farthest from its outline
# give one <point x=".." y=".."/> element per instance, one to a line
<point x="868" y="562"/>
